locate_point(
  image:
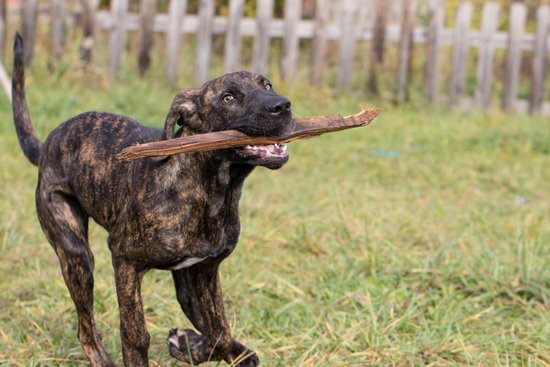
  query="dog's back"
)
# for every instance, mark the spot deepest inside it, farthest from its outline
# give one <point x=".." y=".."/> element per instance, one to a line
<point x="79" y="158"/>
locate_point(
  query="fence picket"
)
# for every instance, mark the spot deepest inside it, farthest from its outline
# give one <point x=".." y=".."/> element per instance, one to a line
<point x="233" y="36"/>
<point x="88" y="31"/>
<point x="204" y="41"/>
<point x="518" y="14"/>
<point x="435" y="34"/>
<point x="29" y="15"/>
<point x="489" y="24"/>
<point x="378" y="42"/>
<point x="348" y="29"/>
<point x="539" y="60"/>
<point x="174" y="37"/>
<point x="460" y="51"/>
<point x="293" y="13"/>
<point x="148" y="9"/>
<point x="58" y="28"/>
<point x="3" y="28"/>
<point x="319" y="41"/>
<point x="117" y="38"/>
<point x="405" y="48"/>
<point x="262" y="41"/>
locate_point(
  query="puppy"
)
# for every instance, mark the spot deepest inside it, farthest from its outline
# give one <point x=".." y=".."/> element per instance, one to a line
<point x="178" y="213"/>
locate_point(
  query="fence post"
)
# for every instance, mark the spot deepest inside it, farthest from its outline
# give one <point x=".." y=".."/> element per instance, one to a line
<point x="117" y="38"/>
<point x="405" y="48"/>
<point x="348" y="33"/>
<point x="262" y="41"/>
<point x="148" y="9"/>
<point x="174" y="37"/>
<point x="378" y="41"/>
<point x="204" y="41"/>
<point x="88" y="30"/>
<point x="3" y="28"/>
<point x="29" y="15"/>
<point x="233" y="36"/>
<point x="539" y="60"/>
<point x="319" y="41"/>
<point x="460" y="51"/>
<point x="435" y="33"/>
<point x="58" y="29"/>
<point x="489" y="24"/>
<point x="293" y="14"/>
<point x="518" y="13"/>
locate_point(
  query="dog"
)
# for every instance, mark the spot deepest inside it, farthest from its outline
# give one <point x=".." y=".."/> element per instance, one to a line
<point x="178" y="213"/>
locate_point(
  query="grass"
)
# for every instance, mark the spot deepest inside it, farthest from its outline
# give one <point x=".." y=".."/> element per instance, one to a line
<point x="420" y="240"/>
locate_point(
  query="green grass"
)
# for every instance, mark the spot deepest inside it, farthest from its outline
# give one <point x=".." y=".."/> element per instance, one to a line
<point x="423" y="239"/>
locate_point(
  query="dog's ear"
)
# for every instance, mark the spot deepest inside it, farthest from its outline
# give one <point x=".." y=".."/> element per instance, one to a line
<point x="183" y="112"/>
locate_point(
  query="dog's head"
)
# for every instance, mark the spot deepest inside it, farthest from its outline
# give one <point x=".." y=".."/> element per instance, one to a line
<point x="240" y="101"/>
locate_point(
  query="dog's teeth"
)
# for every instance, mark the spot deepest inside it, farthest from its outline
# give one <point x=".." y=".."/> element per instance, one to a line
<point x="248" y="147"/>
<point x="284" y="147"/>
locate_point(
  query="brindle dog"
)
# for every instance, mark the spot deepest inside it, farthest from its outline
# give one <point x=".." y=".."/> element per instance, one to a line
<point x="179" y="213"/>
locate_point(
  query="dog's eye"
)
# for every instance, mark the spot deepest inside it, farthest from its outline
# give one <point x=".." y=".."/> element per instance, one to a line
<point x="268" y="87"/>
<point x="228" y="98"/>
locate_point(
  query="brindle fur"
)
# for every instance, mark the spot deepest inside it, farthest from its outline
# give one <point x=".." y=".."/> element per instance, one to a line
<point x="159" y="212"/>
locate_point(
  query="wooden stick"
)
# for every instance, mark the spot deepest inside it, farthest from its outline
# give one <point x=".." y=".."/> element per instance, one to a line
<point x="299" y="128"/>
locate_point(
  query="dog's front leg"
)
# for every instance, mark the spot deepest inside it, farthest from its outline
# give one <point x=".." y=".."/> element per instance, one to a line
<point x="133" y="333"/>
<point x="184" y="279"/>
<point x="205" y="309"/>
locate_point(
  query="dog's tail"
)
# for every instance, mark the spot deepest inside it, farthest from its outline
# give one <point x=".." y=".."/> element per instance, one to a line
<point x="28" y="140"/>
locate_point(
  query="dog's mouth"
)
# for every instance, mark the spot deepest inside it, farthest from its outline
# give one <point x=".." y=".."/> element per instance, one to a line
<point x="262" y="151"/>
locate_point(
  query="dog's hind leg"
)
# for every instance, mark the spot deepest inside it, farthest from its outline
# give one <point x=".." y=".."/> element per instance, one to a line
<point x="66" y="228"/>
<point x="185" y="281"/>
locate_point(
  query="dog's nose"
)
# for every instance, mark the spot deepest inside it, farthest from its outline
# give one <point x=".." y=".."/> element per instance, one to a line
<point x="277" y="105"/>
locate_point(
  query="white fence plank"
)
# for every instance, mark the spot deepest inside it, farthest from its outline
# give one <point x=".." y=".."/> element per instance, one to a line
<point x="88" y="30"/>
<point x="174" y="37"/>
<point x="540" y="60"/>
<point x="204" y="41"/>
<point x="378" y="42"/>
<point x="148" y="10"/>
<point x="233" y="36"/>
<point x="117" y="40"/>
<point x="405" y="48"/>
<point x="348" y="16"/>
<point x="518" y="14"/>
<point x="486" y="55"/>
<point x="262" y="39"/>
<point x="29" y="15"/>
<point x="319" y="41"/>
<point x="58" y="28"/>
<point x="435" y="34"/>
<point x="3" y="27"/>
<point x="460" y="51"/>
<point x="293" y="14"/>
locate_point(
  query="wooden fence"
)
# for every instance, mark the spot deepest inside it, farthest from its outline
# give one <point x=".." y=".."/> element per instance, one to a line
<point x="347" y="22"/>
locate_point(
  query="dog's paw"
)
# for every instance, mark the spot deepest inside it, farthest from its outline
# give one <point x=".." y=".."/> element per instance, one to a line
<point x="185" y="344"/>
<point x="241" y="356"/>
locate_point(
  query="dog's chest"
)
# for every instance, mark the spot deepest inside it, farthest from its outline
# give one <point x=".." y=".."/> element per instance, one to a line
<point x="188" y="262"/>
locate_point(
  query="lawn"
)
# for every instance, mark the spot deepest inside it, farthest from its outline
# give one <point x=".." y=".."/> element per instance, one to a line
<point x="423" y="239"/>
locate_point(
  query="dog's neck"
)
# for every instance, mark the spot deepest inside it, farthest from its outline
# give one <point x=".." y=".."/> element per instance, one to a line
<point x="221" y="180"/>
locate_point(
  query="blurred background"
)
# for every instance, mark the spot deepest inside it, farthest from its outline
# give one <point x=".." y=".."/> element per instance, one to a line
<point x="420" y="240"/>
<point x="467" y="54"/>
